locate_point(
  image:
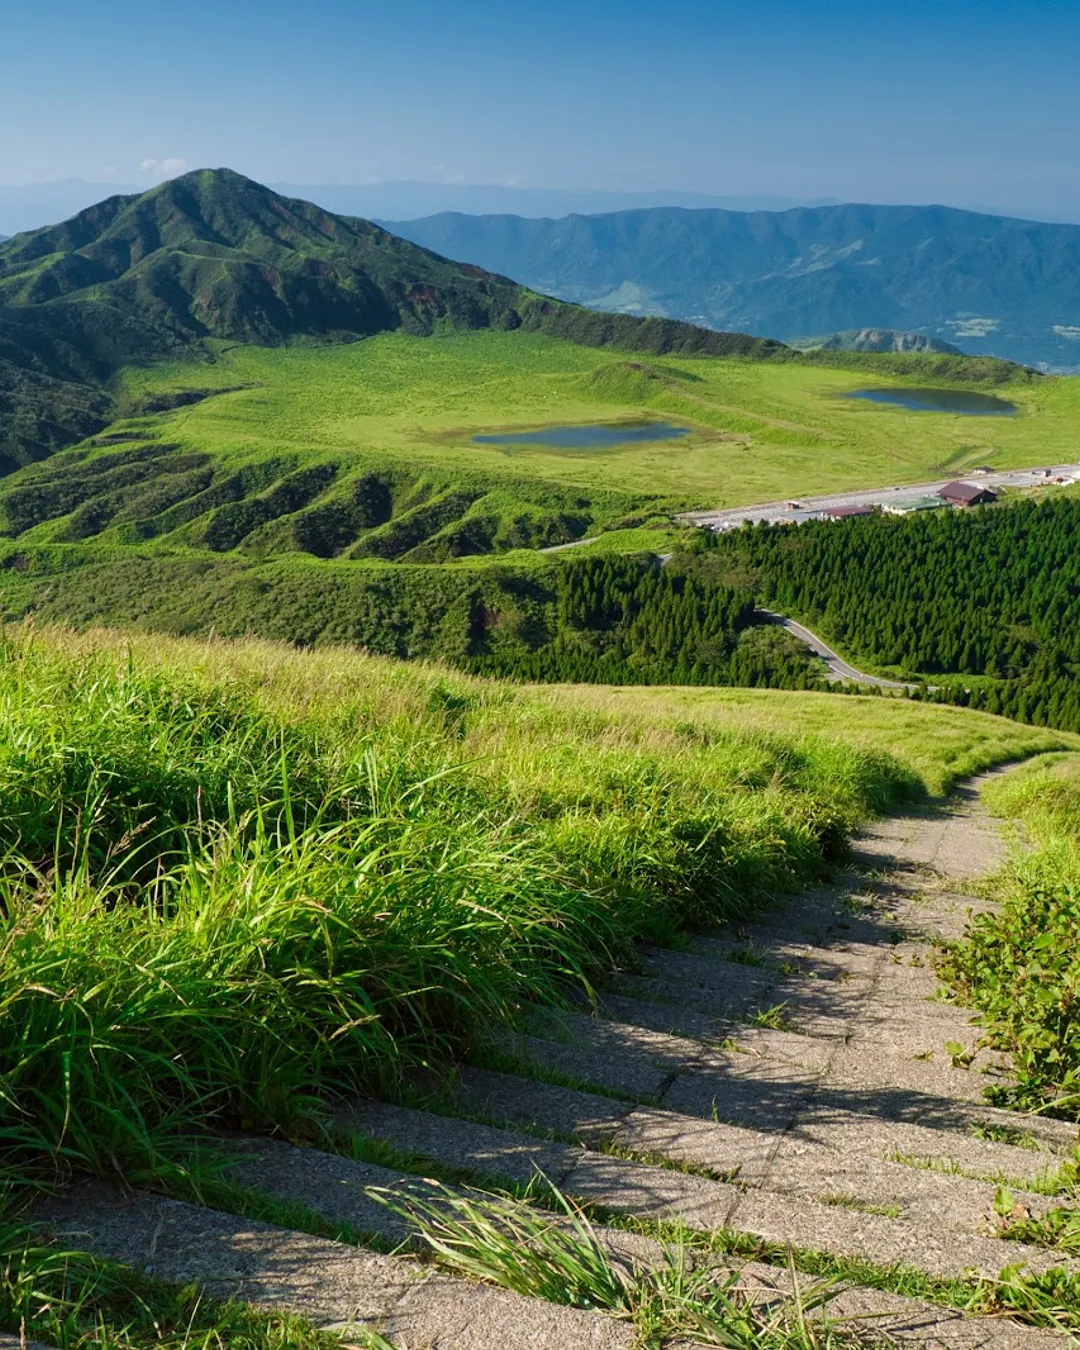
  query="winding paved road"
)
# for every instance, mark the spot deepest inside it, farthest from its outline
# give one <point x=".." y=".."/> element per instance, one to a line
<point x="838" y="668"/>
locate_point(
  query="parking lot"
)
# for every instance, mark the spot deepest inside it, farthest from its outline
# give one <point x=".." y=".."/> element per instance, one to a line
<point x="811" y="508"/>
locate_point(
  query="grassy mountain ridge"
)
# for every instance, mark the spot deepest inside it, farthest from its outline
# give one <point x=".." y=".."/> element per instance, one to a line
<point x="997" y="285"/>
<point x="215" y="255"/>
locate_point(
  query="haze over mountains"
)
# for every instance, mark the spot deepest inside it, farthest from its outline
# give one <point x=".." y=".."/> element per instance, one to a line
<point x="29" y="206"/>
<point x="992" y="285"/>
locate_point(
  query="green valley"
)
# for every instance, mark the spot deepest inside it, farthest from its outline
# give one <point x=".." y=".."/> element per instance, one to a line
<point x="403" y="768"/>
<point x="759" y="429"/>
<point x="288" y="423"/>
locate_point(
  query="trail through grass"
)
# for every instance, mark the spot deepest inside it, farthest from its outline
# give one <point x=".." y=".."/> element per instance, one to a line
<point x="236" y="881"/>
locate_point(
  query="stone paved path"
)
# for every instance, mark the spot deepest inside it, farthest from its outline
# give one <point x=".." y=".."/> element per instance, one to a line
<point x="791" y="1081"/>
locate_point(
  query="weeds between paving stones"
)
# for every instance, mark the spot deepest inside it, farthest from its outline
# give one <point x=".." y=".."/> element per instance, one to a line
<point x="1058" y="1228"/>
<point x="1002" y="1134"/>
<point x="558" y="1256"/>
<point x="1051" y="1299"/>
<point x="1046" y="1183"/>
<point x="773" y="1019"/>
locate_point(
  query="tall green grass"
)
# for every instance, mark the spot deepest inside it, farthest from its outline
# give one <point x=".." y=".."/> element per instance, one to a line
<point x="561" y="1257"/>
<point x="1019" y="966"/>
<point x="232" y="885"/>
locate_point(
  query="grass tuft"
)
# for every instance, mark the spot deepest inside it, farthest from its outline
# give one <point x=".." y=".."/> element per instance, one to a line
<point x="558" y="1255"/>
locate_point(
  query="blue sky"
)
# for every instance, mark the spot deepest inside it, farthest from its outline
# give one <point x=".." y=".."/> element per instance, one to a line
<point x="971" y="102"/>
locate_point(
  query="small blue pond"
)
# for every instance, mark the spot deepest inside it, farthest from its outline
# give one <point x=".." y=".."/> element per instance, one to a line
<point x="593" y="437"/>
<point x="940" y="401"/>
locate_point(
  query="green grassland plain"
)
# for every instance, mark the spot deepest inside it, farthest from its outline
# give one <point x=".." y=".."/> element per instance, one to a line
<point x="759" y="430"/>
<point x="242" y="506"/>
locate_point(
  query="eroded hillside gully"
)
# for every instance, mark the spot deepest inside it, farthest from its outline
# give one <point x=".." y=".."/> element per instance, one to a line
<point x="791" y="1085"/>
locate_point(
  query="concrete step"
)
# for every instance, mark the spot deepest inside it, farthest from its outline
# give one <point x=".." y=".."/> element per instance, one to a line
<point x="799" y="1219"/>
<point x="724" y="1083"/>
<point x="929" y="1069"/>
<point x="333" y="1285"/>
<point x="340" y="1288"/>
<point x="812" y="1007"/>
<point x="334" y="1187"/>
<point x="789" y="1163"/>
<point x="894" y="1320"/>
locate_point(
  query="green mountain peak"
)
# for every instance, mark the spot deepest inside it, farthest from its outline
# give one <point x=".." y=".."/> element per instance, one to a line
<point x="213" y="254"/>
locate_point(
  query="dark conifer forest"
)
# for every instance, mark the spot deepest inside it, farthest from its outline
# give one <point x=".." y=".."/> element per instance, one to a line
<point x="984" y="603"/>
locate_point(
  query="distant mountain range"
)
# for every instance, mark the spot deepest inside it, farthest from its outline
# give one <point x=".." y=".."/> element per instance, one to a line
<point x="28" y="206"/>
<point x="992" y="285"/>
<point x="31" y="205"/>
<point x="214" y="255"/>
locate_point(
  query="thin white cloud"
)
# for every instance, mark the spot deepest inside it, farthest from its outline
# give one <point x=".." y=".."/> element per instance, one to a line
<point x="170" y="167"/>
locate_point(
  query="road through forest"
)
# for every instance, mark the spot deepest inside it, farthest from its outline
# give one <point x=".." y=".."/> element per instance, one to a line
<point x="838" y="668"/>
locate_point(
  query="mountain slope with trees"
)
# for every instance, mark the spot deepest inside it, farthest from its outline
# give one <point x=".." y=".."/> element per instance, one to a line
<point x="996" y="285"/>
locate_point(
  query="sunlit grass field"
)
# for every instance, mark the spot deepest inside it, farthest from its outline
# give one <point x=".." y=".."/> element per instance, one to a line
<point x="759" y="430"/>
<point x="241" y="879"/>
<point x="941" y="745"/>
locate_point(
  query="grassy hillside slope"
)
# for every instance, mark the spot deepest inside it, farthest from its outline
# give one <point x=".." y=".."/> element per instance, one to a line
<point x="268" y="876"/>
<point x="1017" y="964"/>
<point x="941" y="744"/>
<point x="462" y="839"/>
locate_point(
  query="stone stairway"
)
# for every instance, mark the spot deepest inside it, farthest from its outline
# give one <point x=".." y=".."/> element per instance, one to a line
<point x="794" y="1082"/>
